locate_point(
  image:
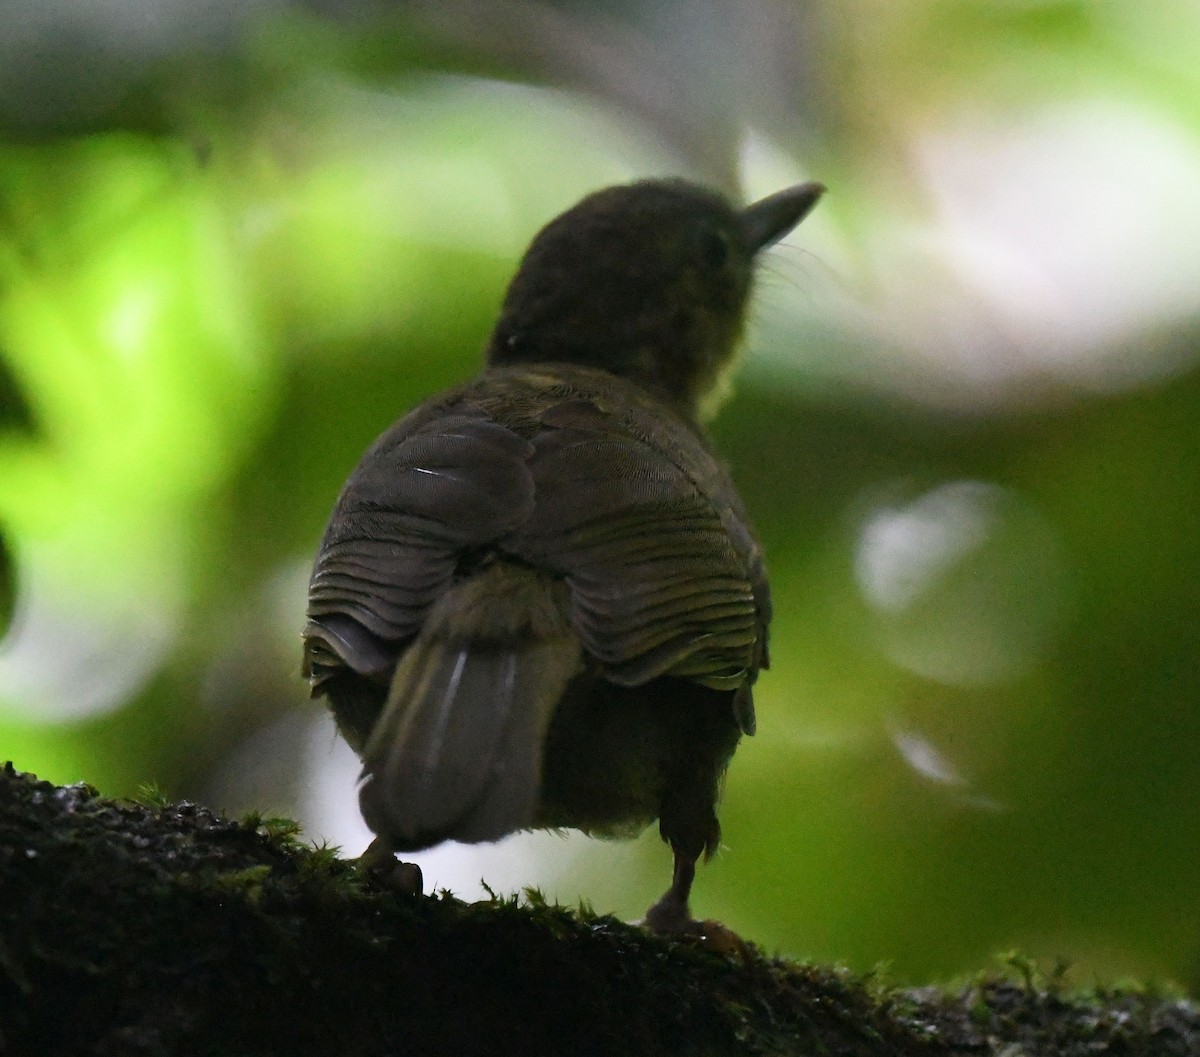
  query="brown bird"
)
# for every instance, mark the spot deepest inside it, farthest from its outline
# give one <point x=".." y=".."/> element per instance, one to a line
<point x="539" y="601"/>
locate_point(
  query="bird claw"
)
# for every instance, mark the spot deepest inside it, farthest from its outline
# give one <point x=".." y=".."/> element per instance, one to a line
<point x="720" y="939"/>
<point x="668" y="920"/>
<point x="379" y="862"/>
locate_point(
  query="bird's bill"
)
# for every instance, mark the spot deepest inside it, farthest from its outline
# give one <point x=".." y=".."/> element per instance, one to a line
<point x="767" y="221"/>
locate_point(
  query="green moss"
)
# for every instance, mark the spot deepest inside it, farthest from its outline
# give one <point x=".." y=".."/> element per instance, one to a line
<point x="160" y="930"/>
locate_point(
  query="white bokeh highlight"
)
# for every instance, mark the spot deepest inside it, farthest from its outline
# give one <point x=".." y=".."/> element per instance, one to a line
<point x="965" y="581"/>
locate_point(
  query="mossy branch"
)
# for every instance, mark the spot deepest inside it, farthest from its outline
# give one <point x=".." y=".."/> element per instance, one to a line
<point x="147" y="928"/>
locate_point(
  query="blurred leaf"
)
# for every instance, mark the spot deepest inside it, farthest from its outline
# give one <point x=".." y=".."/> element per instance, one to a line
<point x="8" y="586"/>
<point x="15" y="414"/>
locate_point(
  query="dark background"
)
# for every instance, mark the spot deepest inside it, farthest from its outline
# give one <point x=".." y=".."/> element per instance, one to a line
<point x="238" y="239"/>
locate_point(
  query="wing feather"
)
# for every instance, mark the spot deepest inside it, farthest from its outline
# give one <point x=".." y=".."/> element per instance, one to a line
<point x="628" y="507"/>
<point x="429" y="489"/>
<point x="658" y="586"/>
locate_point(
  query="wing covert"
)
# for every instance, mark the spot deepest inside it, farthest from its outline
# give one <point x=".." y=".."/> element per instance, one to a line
<point x="583" y="480"/>
<point x="432" y="487"/>
<point x="658" y="585"/>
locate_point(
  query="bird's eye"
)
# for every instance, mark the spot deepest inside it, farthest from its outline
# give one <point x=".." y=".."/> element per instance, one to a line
<point x="714" y="247"/>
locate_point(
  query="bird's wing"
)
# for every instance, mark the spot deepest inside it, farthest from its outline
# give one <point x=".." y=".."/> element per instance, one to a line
<point x="642" y="523"/>
<point x="628" y="507"/>
<point x="441" y="482"/>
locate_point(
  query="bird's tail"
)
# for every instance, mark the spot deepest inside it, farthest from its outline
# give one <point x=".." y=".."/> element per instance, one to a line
<point x="457" y="751"/>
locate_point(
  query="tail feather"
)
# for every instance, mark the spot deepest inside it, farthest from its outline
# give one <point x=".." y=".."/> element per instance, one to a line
<point x="457" y="751"/>
<point x="511" y="800"/>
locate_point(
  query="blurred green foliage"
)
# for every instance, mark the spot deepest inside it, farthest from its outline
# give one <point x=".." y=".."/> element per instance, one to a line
<point x="967" y="426"/>
<point x="8" y="587"/>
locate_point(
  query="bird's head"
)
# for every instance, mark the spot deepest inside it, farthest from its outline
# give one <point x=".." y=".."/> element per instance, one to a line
<point x="649" y="281"/>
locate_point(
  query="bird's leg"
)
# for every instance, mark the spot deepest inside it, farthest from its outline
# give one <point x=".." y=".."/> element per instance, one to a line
<point x="379" y="860"/>
<point x="671" y="914"/>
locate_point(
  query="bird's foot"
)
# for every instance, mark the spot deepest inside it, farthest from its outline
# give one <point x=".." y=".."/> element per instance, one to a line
<point x="670" y="917"/>
<point x="379" y="862"/>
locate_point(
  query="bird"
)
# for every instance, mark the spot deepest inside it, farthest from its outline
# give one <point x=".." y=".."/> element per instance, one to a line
<point x="539" y="602"/>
